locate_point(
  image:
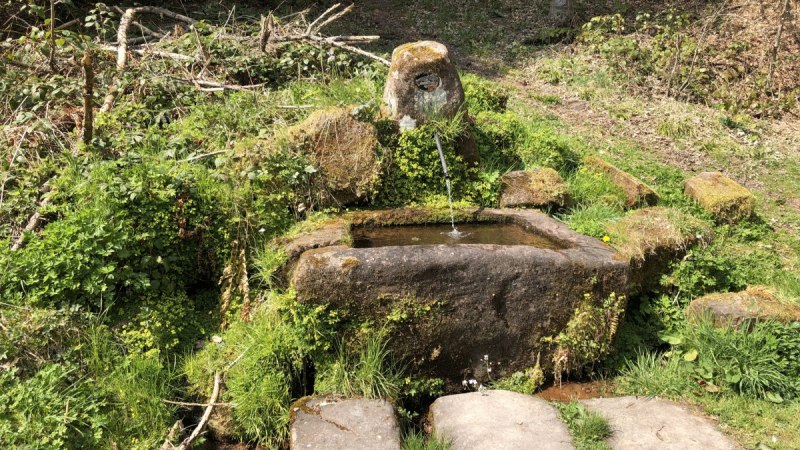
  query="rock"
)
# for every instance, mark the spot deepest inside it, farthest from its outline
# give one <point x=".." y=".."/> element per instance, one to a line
<point x="422" y="82"/>
<point x="723" y="198"/>
<point x="757" y="302"/>
<point x="642" y="423"/>
<point x="327" y="423"/>
<point x="541" y="188"/>
<point x="457" y="303"/>
<point x="498" y="420"/>
<point x="636" y="192"/>
<point x="343" y="149"/>
<point x="652" y="238"/>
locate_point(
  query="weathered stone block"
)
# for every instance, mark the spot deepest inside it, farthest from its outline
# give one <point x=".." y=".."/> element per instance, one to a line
<point x="328" y="423"/>
<point x="652" y="238"/>
<point x="723" y="198"/>
<point x="541" y="188"/>
<point x="498" y="420"/>
<point x="734" y="308"/>
<point x="636" y="192"/>
<point x="464" y="301"/>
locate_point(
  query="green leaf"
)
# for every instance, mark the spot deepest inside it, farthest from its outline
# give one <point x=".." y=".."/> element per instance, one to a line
<point x="691" y="355"/>
<point x="774" y="397"/>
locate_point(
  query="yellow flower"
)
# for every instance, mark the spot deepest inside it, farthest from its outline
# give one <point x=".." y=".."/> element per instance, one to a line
<point x="606" y="238"/>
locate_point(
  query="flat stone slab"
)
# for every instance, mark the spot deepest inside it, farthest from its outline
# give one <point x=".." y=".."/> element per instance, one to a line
<point x="499" y="420"/>
<point x="639" y="423"/>
<point x="326" y="423"/>
<point x="541" y="188"/>
<point x="723" y="198"/>
<point x="636" y="192"/>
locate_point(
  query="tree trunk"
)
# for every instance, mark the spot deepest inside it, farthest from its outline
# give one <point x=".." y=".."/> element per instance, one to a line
<point x="560" y="11"/>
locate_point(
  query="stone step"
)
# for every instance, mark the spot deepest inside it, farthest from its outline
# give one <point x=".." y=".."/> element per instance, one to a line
<point x="329" y="423"/>
<point x="498" y="420"/>
<point x="644" y="423"/>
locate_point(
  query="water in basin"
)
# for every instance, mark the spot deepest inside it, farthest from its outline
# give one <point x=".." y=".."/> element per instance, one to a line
<point x="488" y="233"/>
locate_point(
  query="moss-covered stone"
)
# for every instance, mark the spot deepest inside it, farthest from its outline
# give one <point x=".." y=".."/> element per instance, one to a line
<point x="637" y="193"/>
<point x="651" y="238"/>
<point x="540" y="188"/>
<point x="422" y="82"/>
<point x="735" y="308"/>
<point x="343" y="149"/>
<point x="725" y="199"/>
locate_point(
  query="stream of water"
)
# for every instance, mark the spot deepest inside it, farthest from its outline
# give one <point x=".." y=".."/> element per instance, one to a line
<point x="455" y="234"/>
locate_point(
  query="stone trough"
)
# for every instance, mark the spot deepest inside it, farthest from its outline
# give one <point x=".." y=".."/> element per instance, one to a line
<point x="450" y="306"/>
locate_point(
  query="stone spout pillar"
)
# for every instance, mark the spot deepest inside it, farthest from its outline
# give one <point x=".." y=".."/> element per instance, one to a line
<point x="424" y="84"/>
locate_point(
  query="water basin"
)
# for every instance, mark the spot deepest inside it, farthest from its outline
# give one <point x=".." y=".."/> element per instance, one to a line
<point x="471" y="233"/>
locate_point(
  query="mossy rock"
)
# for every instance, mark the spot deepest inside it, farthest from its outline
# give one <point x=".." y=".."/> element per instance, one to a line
<point x="540" y="188"/>
<point x="723" y="198"/>
<point x="343" y="150"/>
<point x="736" y="308"/>
<point x="637" y="193"/>
<point x="652" y="238"/>
<point x="423" y="83"/>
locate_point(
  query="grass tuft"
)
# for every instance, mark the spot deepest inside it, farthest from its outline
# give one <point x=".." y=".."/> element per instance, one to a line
<point x="589" y="430"/>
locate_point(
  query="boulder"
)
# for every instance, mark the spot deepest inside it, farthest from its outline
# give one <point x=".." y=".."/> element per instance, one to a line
<point x="422" y="83"/>
<point x="648" y="423"/>
<point x="343" y="150"/>
<point x="329" y="423"/>
<point x="449" y="305"/>
<point x="498" y="420"/>
<point x="652" y="238"/>
<point x="723" y="198"/>
<point x="636" y="192"/>
<point x="541" y="188"/>
<point x="735" y="308"/>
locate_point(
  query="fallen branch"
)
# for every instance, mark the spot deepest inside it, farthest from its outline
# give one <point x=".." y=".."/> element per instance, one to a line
<point x="33" y="222"/>
<point x="88" y="94"/>
<point x="198" y="430"/>
<point x="147" y="51"/>
<point x="122" y="42"/>
<point x="205" y="155"/>
<point x="172" y="402"/>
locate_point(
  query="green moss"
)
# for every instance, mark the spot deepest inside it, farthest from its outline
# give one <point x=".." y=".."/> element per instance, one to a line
<point x="483" y="95"/>
<point x="589" y="333"/>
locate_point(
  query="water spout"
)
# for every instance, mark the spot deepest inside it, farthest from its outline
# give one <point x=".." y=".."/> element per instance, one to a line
<point x="455" y="234"/>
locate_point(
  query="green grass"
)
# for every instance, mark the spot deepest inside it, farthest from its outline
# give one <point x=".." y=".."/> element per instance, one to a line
<point x="415" y="440"/>
<point x="591" y="220"/>
<point x="589" y="430"/>
<point x="369" y="373"/>
<point x="653" y="374"/>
